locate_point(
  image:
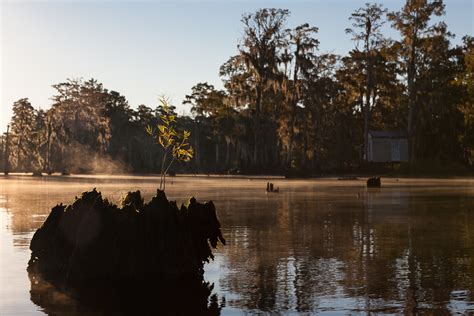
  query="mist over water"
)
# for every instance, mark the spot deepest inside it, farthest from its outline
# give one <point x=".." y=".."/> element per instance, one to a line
<point x="82" y="159"/>
<point x="316" y="246"/>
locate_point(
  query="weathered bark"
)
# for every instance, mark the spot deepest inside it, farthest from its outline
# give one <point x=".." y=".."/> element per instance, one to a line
<point x="93" y="241"/>
<point x="127" y="260"/>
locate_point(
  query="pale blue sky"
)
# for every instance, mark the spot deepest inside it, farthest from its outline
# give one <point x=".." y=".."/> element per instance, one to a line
<point x="146" y="49"/>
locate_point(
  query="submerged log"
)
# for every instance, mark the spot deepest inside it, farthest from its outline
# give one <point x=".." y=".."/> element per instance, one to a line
<point x="93" y="241"/>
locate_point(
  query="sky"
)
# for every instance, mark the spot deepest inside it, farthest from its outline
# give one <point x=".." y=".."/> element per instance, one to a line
<point x="144" y="49"/>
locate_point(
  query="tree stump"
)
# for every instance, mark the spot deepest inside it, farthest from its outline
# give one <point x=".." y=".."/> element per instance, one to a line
<point x="93" y="243"/>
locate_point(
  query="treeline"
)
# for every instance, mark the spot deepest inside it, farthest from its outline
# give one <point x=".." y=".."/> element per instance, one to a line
<point x="285" y="106"/>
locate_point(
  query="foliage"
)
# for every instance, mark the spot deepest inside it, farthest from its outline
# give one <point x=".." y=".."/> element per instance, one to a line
<point x="366" y="29"/>
<point x="175" y="146"/>
<point x="284" y="106"/>
<point x="412" y="21"/>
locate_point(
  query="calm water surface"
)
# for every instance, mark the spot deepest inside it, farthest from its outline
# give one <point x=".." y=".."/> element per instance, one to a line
<point x="320" y="246"/>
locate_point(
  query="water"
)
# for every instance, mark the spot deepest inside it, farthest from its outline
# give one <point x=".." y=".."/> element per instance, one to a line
<point x="319" y="246"/>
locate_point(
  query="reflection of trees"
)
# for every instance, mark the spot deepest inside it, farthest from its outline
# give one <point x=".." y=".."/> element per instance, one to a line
<point x="391" y="250"/>
<point x="439" y="250"/>
<point x="29" y="200"/>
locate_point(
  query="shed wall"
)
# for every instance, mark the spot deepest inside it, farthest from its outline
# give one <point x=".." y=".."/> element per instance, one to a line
<point x="388" y="149"/>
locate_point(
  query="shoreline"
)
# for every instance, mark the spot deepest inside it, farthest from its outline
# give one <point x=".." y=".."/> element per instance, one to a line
<point x="336" y="176"/>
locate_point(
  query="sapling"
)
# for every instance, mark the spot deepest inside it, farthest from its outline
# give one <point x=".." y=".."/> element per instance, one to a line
<point x="175" y="144"/>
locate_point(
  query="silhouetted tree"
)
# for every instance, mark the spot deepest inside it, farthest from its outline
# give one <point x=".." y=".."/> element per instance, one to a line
<point x="22" y="134"/>
<point x="366" y="29"/>
<point x="299" y="60"/>
<point x="263" y="37"/>
<point x="283" y="106"/>
<point x="412" y="21"/>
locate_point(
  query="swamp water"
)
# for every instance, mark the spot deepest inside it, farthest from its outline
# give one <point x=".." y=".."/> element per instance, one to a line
<point x="317" y="246"/>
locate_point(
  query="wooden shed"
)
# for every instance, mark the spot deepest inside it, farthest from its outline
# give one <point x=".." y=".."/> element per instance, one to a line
<point x="387" y="146"/>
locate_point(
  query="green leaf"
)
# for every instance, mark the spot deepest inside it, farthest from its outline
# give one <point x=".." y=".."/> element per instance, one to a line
<point x="161" y="141"/>
<point x="150" y="130"/>
<point x="162" y="128"/>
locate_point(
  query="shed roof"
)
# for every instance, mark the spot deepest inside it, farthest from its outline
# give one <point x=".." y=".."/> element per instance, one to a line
<point x="388" y="134"/>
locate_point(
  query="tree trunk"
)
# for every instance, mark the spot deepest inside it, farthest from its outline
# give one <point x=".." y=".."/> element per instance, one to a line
<point x="305" y="145"/>
<point x="363" y="106"/>
<point x="48" y="149"/>
<point x="369" y="91"/>
<point x="366" y="131"/>
<point x="257" y="125"/>
<point x="6" y="163"/>
<point x="130" y="157"/>
<point x="294" y="102"/>
<point x="411" y="71"/>
<point x="227" y="154"/>
<point x="197" y="156"/>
